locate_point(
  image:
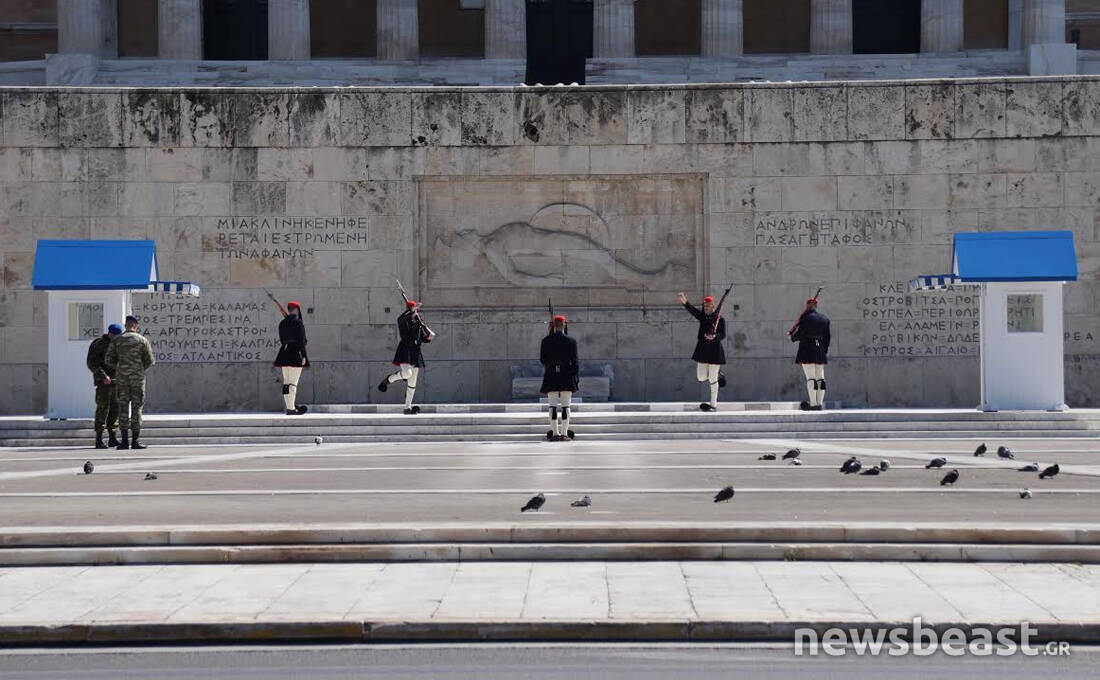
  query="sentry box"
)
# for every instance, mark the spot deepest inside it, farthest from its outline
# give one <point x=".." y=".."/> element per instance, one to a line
<point x="1020" y="275"/>
<point x="90" y="285"/>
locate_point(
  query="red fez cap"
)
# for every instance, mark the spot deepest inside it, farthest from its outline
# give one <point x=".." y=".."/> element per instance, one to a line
<point x="410" y="303"/>
<point x="709" y="298"/>
<point x="559" y="318"/>
<point x="292" y="303"/>
<point x="811" y="301"/>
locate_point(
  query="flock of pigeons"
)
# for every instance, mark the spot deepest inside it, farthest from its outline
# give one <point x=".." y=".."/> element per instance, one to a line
<point x="851" y="466"/>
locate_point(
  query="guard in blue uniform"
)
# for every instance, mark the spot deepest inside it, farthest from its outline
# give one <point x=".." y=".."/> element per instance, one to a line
<point x="560" y="378"/>
<point x="812" y="335"/>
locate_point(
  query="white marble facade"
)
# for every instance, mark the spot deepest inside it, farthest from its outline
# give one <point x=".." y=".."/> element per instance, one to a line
<point x="326" y="195"/>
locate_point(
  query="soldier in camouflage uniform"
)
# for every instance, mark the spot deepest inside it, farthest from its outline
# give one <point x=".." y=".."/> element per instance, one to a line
<point x="129" y="356"/>
<point x="106" y="405"/>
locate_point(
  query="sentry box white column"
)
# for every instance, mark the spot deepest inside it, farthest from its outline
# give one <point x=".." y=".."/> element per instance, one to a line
<point x="90" y="285"/>
<point x="1020" y="275"/>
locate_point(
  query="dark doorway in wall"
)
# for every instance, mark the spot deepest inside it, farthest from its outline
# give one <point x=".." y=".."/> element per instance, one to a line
<point x="985" y="24"/>
<point x="234" y="29"/>
<point x="885" y="27"/>
<point x="664" y="28"/>
<point x="559" y="39"/>
<point x="448" y="30"/>
<point x="772" y="27"/>
<point x="343" y="29"/>
<point x="137" y="28"/>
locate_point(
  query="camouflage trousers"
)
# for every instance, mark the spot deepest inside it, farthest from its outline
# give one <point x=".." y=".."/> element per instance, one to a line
<point x="106" y="407"/>
<point x="131" y="399"/>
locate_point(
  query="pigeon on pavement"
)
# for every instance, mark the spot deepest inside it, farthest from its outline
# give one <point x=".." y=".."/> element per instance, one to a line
<point x="854" y="466"/>
<point x="534" y="504"/>
<point x="150" y="476"/>
<point x="884" y="465"/>
<point x="936" y="463"/>
<point x="950" y="478"/>
<point x="582" y="502"/>
<point x="767" y="456"/>
<point x="88" y="467"/>
<point x="871" y="471"/>
<point x="793" y="453"/>
<point x="1026" y="493"/>
<point x="980" y="451"/>
<point x="845" y="464"/>
<point x="318" y="440"/>
<point x="1030" y="467"/>
<point x="724" y="495"/>
<point x="1003" y="452"/>
<point x="1050" y="471"/>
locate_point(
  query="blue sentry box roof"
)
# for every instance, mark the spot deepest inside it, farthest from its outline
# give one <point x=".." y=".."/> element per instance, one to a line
<point x="94" y="265"/>
<point x="1015" y="256"/>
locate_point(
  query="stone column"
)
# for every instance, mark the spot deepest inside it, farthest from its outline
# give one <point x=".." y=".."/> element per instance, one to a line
<point x="505" y="29"/>
<point x="398" y="30"/>
<point x="613" y="29"/>
<point x="179" y="29"/>
<point x="288" y="29"/>
<point x="831" y="26"/>
<point x="1015" y="24"/>
<point x="941" y="25"/>
<point x="88" y="27"/>
<point x="1044" y="22"/>
<point x="723" y="28"/>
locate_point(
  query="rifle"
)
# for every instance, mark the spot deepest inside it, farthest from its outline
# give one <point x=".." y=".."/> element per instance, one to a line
<point x="416" y="312"/>
<point x="796" y="323"/>
<point x="550" y="306"/>
<point x="718" y="309"/>
<point x="277" y="303"/>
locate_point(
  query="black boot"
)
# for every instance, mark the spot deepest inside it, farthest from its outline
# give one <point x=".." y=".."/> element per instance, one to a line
<point x="112" y="440"/>
<point x="99" y="440"/>
<point x="384" y="385"/>
<point x="136" y="444"/>
<point x="125" y="443"/>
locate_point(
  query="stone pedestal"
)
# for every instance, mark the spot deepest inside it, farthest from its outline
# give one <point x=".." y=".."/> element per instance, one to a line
<point x="941" y="26"/>
<point x="88" y="27"/>
<point x="723" y="28"/>
<point x="288" y="29"/>
<point x="1052" y="59"/>
<point x="613" y="29"/>
<point x="505" y="29"/>
<point x="179" y="29"/>
<point x="1044" y="21"/>
<point x="398" y="30"/>
<point x="831" y="26"/>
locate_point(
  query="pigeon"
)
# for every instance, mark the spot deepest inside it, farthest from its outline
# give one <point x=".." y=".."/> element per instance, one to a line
<point x="950" y="478"/>
<point x="582" y="502"/>
<point x="1026" y="493"/>
<point x="936" y="463"/>
<point x="871" y="471"/>
<point x="845" y="464"/>
<point x="1003" y="452"/>
<point x="793" y="453"/>
<point x="318" y="440"/>
<point x="853" y="467"/>
<point x="534" y="504"/>
<point x="980" y="451"/>
<point x="1030" y="467"/>
<point x="767" y="456"/>
<point x="795" y="461"/>
<point x="88" y="467"/>
<point x="149" y="476"/>
<point x="724" y="495"/>
<point x="1050" y="471"/>
<point x="884" y="465"/>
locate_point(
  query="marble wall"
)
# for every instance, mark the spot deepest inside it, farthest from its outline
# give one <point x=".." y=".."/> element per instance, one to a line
<point x="484" y="202"/>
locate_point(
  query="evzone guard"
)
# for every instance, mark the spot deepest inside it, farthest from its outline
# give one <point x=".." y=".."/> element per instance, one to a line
<point x="560" y="378"/>
<point x="291" y="358"/>
<point x="811" y="332"/>
<point x="709" y="355"/>
<point x="408" y="358"/>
